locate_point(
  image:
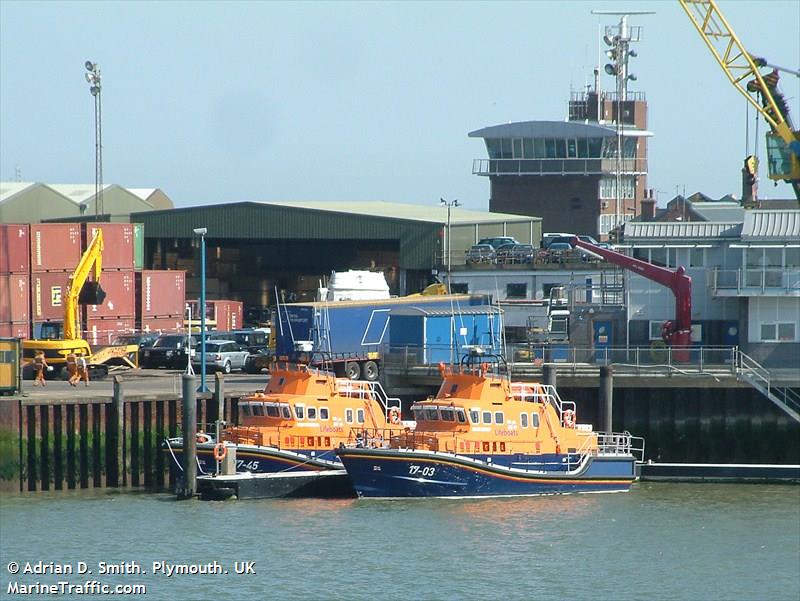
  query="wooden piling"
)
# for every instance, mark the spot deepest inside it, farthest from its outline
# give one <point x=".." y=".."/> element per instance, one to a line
<point x="44" y="453"/>
<point x="58" y="449"/>
<point x="606" y="397"/>
<point x="83" y="417"/>
<point x="116" y="442"/>
<point x="189" y="439"/>
<point x="71" y="479"/>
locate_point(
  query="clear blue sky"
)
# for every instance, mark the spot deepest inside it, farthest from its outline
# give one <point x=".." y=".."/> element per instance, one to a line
<point x="220" y="102"/>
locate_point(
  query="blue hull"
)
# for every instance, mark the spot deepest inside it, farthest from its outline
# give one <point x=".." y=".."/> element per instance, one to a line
<point x="261" y="460"/>
<point x="402" y="473"/>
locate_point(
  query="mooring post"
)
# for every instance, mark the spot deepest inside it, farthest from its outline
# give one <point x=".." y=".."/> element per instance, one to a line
<point x="549" y="374"/>
<point x="219" y="396"/>
<point x="189" y="439"/>
<point x="606" y="397"/>
<point x="119" y="433"/>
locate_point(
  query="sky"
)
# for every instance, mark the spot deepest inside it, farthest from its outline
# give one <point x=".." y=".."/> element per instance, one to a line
<point x="220" y="102"/>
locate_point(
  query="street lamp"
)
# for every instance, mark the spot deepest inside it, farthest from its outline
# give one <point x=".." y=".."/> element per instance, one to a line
<point x="449" y="205"/>
<point x="202" y="231"/>
<point x="93" y="78"/>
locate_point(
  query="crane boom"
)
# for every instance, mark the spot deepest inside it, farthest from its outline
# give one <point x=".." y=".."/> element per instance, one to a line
<point x="674" y="333"/>
<point x="742" y="69"/>
<point x="80" y="290"/>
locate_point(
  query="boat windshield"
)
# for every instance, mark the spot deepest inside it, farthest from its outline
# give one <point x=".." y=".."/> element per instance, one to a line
<point x="257" y="409"/>
<point x="434" y="413"/>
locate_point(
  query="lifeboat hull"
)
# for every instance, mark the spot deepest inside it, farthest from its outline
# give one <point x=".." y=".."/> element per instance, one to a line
<point x="413" y="473"/>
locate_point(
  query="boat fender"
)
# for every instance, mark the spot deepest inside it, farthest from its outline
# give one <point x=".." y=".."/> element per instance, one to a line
<point x="202" y="437"/>
<point x="569" y="418"/>
<point x="394" y="415"/>
<point x="220" y="451"/>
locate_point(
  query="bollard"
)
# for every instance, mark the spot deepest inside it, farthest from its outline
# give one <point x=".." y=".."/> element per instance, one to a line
<point x="549" y="374"/>
<point x="189" y="439"/>
<point x="606" y="396"/>
<point x="120" y="477"/>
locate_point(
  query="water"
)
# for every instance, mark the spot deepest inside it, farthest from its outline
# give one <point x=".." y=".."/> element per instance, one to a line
<point x="660" y="541"/>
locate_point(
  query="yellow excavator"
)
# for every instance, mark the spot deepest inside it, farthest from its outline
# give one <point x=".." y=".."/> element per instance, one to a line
<point x="82" y="291"/>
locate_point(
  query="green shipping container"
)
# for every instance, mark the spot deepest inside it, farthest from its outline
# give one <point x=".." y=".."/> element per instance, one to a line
<point x="138" y="246"/>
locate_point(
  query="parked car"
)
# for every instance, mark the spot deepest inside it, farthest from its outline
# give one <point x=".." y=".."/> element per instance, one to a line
<point x="549" y="237"/>
<point x="142" y="339"/>
<point x="502" y="253"/>
<point x="480" y="253"/>
<point x="221" y="355"/>
<point x="169" y="350"/>
<point x="560" y="252"/>
<point x="587" y="238"/>
<point x="498" y="241"/>
<point x="515" y="254"/>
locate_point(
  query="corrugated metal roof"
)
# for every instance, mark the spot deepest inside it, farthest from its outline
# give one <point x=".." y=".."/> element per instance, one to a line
<point x="414" y="212"/>
<point x="552" y="129"/>
<point x="9" y="189"/>
<point x="771" y="224"/>
<point x="143" y="193"/>
<point x="720" y="212"/>
<point x="77" y="193"/>
<point x="679" y="230"/>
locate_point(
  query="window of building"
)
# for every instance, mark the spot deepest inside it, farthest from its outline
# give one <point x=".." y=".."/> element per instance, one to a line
<point x="493" y="148"/>
<point x="655" y="330"/>
<point x="608" y="187"/>
<point x="595" y="146"/>
<point x="459" y="288"/>
<point x="583" y="148"/>
<point x="527" y="148"/>
<point x="658" y="256"/>
<point x="517" y="147"/>
<point x="561" y="148"/>
<point x="523" y="420"/>
<point x="793" y="257"/>
<point x="697" y="257"/>
<point x="572" y="148"/>
<point x="550" y="148"/>
<point x="778" y="332"/>
<point x="516" y="290"/>
<point x="538" y="148"/>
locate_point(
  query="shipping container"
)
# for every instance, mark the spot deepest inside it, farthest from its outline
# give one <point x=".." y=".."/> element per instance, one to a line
<point x="14" y="298"/>
<point x="355" y="332"/>
<point x="138" y="246"/>
<point x="15" y="248"/>
<point x="55" y="246"/>
<point x="120" y="298"/>
<point x="160" y="293"/>
<point x="101" y="332"/>
<point x="118" y="242"/>
<point x="48" y="294"/>
<point x="161" y="325"/>
<point x="15" y="330"/>
<point x="224" y="315"/>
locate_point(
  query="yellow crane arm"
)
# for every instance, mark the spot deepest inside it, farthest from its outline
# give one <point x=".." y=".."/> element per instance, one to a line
<point x="91" y="263"/>
<point x="737" y="63"/>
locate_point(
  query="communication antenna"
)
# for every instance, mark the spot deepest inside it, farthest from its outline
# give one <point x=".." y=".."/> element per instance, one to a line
<point x="17" y="173"/>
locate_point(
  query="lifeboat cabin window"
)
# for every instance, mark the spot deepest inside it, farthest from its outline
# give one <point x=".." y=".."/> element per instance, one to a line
<point x="523" y="420"/>
<point x="431" y="414"/>
<point x="312" y="413"/>
<point x="461" y="416"/>
<point x="448" y="415"/>
<point x="348" y="416"/>
<point x="258" y="409"/>
<point x="534" y="420"/>
<point x="499" y="418"/>
<point x="323" y="413"/>
<point x="285" y="412"/>
<point x="246" y="410"/>
<point x="419" y="414"/>
<point x="487" y="417"/>
<point x="360" y="416"/>
<point x="475" y="416"/>
<point x="272" y="410"/>
<point x="300" y="411"/>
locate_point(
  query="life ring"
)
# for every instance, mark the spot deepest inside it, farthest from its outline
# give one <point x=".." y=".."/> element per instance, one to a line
<point x="220" y="451"/>
<point x="569" y="418"/>
<point x="202" y="438"/>
<point x="394" y="415"/>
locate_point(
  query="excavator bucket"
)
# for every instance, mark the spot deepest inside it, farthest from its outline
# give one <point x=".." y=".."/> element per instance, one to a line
<point x="91" y="294"/>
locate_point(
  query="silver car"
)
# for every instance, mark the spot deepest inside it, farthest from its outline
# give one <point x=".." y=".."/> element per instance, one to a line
<point x="221" y="355"/>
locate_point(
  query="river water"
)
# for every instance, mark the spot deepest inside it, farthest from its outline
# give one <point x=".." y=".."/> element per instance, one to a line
<point x="659" y="541"/>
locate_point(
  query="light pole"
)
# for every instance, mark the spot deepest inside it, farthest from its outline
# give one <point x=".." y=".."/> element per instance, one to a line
<point x="449" y="205"/>
<point x="201" y="231"/>
<point x="93" y="78"/>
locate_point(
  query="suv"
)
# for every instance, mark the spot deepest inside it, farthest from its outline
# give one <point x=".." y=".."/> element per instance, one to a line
<point x="141" y="340"/>
<point x="515" y="253"/>
<point x="549" y="237"/>
<point x="498" y="241"/>
<point x="480" y="253"/>
<point x="169" y="350"/>
<point x="221" y="355"/>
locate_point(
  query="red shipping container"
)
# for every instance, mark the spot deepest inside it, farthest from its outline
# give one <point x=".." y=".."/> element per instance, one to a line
<point x="162" y="325"/>
<point x="15" y="330"/>
<point x="120" y="299"/>
<point x="228" y="314"/>
<point x="48" y="294"/>
<point x="55" y="246"/>
<point x="160" y="293"/>
<point x="15" y="248"/>
<point x="117" y="244"/>
<point x="101" y="332"/>
<point x="14" y="298"/>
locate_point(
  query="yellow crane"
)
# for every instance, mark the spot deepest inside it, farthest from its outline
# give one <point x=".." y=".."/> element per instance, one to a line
<point x="81" y="290"/>
<point x="743" y="71"/>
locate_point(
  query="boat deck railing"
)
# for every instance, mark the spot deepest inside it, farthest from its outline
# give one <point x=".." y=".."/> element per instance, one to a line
<point x="620" y="443"/>
<point x="360" y="389"/>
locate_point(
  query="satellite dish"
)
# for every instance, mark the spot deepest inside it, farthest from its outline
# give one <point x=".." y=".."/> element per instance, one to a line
<point x="89" y="65"/>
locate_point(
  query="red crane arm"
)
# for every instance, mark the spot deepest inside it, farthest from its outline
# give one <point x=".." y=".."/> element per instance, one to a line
<point x="676" y="280"/>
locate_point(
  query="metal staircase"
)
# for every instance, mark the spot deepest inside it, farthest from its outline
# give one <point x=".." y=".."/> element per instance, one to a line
<point x="750" y="371"/>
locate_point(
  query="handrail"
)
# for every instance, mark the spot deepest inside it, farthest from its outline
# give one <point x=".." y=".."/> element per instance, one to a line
<point x="749" y="369"/>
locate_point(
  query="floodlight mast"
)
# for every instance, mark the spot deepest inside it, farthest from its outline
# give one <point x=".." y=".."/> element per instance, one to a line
<point x="93" y="78"/>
